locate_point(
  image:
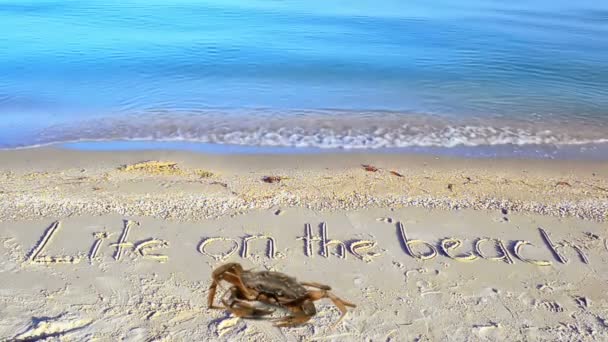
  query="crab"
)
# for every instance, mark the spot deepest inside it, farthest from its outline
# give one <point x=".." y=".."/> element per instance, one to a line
<point x="272" y="288"/>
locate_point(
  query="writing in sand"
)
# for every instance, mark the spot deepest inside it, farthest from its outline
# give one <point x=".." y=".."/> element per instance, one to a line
<point x="220" y="248"/>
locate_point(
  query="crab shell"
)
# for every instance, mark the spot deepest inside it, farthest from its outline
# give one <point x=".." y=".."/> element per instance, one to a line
<point x="278" y="286"/>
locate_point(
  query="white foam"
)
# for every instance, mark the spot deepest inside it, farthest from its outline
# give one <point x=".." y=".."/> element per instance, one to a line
<point x="329" y="131"/>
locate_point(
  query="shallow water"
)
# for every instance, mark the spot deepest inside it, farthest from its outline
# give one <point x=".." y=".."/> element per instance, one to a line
<point x="338" y="74"/>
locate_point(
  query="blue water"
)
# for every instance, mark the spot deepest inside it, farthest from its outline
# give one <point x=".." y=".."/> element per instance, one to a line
<point x="329" y="74"/>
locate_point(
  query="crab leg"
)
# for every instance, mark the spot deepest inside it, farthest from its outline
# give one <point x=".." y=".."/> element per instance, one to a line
<point x="316" y="295"/>
<point x="317" y="285"/>
<point x="244" y="309"/>
<point x="211" y="296"/>
<point x="241" y="308"/>
<point x="236" y="281"/>
<point x="233" y="279"/>
<point x="298" y="317"/>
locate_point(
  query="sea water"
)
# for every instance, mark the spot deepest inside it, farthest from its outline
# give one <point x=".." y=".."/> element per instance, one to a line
<point x="306" y="74"/>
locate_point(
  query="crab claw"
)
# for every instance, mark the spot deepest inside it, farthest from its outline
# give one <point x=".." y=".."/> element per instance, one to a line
<point x="245" y="309"/>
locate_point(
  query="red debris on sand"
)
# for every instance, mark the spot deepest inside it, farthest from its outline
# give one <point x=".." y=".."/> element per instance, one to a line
<point x="369" y="168"/>
<point x="395" y="173"/>
<point x="272" y="179"/>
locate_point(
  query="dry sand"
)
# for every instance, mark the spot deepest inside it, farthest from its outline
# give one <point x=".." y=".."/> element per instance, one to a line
<point x="99" y="246"/>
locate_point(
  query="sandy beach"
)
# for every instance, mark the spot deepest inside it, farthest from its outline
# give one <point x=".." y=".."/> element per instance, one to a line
<point x="112" y="246"/>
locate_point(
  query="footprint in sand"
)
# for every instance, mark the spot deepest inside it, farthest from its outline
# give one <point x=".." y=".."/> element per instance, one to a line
<point x="551" y="306"/>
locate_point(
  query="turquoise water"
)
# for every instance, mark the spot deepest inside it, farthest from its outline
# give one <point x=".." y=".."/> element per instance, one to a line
<point x="305" y="74"/>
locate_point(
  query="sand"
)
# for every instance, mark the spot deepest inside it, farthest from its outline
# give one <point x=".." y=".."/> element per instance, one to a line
<point x="121" y="245"/>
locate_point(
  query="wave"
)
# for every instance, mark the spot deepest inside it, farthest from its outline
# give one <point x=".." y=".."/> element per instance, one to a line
<point x="319" y="129"/>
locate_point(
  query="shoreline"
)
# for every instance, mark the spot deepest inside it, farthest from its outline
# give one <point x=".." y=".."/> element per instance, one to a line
<point x="582" y="152"/>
